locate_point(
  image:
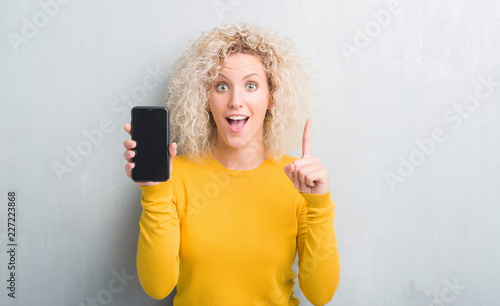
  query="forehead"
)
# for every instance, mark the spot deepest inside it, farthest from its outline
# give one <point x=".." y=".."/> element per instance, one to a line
<point x="237" y="63"/>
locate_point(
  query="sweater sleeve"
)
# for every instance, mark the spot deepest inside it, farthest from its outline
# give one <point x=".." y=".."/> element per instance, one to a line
<point x="319" y="264"/>
<point x="158" y="247"/>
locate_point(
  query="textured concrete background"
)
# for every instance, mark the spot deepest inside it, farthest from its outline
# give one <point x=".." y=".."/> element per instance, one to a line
<point x="408" y="130"/>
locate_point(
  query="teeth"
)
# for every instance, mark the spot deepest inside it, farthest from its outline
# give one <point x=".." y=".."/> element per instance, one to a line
<point x="237" y="117"/>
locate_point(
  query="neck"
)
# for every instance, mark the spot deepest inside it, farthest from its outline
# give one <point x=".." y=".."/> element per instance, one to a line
<point x="241" y="158"/>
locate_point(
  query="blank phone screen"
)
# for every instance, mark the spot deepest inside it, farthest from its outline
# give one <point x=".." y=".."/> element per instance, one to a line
<point x="150" y="131"/>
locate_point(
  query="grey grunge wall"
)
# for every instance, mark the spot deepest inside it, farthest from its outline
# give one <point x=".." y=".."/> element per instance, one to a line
<point x="408" y="129"/>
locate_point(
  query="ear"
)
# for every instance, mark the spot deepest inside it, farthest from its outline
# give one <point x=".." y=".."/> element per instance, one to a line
<point x="268" y="111"/>
<point x="270" y="104"/>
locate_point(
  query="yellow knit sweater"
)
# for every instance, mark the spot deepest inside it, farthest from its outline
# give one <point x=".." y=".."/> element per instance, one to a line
<point x="230" y="237"/>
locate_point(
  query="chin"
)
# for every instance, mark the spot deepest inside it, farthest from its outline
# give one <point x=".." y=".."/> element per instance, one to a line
<point x="238" y="144"/>
<point x="237" y="141"/>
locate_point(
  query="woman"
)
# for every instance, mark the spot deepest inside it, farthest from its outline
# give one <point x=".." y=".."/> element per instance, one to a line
<point x="225" y="228"/>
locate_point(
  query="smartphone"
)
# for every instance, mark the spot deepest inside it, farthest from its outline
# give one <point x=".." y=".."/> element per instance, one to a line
<point x="150" y="130"/>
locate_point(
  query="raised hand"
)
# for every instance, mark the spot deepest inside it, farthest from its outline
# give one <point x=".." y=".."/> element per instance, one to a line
<point x="129" y="144"/>
<point x="307" y="173"/>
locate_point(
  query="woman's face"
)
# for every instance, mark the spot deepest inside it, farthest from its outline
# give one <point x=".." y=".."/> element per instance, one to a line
<point x="241" y="88"/>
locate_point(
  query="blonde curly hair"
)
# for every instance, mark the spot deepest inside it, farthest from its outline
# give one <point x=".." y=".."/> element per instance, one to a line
<point x="291" y="82"/>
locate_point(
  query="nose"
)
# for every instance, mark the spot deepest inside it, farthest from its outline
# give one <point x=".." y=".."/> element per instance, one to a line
<point x="236" y="99"/>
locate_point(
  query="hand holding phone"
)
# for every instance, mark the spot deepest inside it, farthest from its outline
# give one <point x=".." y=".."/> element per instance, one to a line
<point x="129" y="144"/>
<point x="152" y="161"/>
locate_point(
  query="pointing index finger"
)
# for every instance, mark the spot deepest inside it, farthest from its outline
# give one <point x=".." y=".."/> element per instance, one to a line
<point x="306" y="140"/>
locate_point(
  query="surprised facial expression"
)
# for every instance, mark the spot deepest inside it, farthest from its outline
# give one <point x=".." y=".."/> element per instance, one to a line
<point x="239" y="99"/>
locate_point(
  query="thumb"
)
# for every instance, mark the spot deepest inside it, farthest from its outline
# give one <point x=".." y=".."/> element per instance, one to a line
<point x="172" y="149"/>
<point x="289" y="170"/>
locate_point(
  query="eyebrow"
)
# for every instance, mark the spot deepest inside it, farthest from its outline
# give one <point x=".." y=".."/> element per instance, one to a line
<point x="251" y="74"/>
<point x="245" y="77"/>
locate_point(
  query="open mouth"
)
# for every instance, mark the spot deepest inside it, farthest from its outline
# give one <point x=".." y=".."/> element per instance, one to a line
<point x="237" y="125"/>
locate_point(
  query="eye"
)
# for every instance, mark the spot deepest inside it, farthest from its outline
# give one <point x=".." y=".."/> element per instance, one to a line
<point x="251" y="86"/>
<point x="221" y="87"/>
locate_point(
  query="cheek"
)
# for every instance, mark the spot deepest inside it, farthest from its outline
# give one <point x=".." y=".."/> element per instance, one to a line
<point x="214" y="102"/>
<point x="216" y="110"/>
<point x="261" y="103"/>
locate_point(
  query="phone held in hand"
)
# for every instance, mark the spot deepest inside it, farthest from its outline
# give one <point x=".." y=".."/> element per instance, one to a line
<point x="150" y="130"/>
